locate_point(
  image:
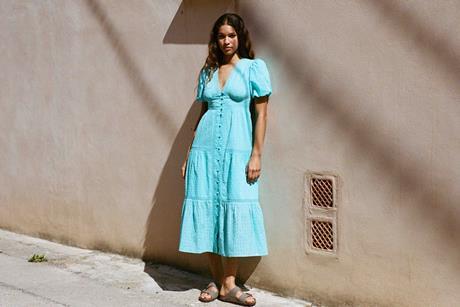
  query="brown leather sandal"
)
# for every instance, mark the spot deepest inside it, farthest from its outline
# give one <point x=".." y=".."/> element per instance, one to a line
<point x="213" y="293"/>
<point x="230" y="297"/>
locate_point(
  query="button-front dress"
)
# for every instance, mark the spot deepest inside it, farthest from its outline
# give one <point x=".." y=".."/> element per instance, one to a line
<point x="221" y="212"/>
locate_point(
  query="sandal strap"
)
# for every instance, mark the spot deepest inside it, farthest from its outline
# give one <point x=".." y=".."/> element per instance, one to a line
<point x="212" y="293"/>
<point x="242" y="298"/>
<point x="208" y="290"/>
<point x="233" y="291"/>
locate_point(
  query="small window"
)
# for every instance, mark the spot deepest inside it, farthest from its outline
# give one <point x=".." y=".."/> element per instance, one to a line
<point x="322" y="236"/>
<point x="322" y="192"/>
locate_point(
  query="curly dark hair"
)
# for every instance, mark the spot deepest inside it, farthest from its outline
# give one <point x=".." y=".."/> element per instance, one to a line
<point x="215" y="56"/>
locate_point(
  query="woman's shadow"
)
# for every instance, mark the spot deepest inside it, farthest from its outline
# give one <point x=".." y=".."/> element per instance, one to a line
<point x="162" y="227"/>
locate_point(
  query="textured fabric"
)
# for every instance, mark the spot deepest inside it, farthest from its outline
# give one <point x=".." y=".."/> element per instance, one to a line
<point x="221" y="211"/>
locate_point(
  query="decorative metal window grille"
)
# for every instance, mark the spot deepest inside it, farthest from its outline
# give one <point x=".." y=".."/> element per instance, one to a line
<point x="321" y="205"/>
<point x="322" y="235"/>
<point x="322" y="192"/>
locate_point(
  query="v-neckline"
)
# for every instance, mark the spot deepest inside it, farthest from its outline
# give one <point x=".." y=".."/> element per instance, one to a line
<point x="222" y="89"/>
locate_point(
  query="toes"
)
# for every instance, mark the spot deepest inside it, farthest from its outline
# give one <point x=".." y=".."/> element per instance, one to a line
<point x="205" y="296"/>
<point x="250" y="300"/>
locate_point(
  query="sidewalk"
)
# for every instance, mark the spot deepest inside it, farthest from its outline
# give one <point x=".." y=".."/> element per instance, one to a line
<point x="79" y="277"/>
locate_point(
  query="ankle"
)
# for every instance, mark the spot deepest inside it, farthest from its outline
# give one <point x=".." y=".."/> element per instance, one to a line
<point x="228" y="284"/>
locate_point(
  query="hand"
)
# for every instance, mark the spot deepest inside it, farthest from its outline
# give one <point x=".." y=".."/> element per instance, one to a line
<point x="253" y="169"/>
<point x="184" y="166"/>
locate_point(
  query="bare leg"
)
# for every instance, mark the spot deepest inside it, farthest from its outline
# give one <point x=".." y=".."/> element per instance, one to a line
<point x="230" y="268"/>
<point x="215" y="266"/>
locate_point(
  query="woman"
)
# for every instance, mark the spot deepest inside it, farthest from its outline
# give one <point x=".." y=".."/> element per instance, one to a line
<point x="221" y="214"/>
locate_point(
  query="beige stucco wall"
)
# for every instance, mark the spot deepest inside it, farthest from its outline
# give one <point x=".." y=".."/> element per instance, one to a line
<point x="97" y="112"/>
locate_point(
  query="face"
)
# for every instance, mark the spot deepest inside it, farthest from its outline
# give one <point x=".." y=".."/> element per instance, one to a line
<point x="227" y="40"/>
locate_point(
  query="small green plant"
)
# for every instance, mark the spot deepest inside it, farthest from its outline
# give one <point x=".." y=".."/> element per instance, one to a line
<point x="37" y="258"/>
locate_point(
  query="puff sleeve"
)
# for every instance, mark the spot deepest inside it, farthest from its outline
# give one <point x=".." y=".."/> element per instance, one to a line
<point x="200" y="87"/>
<point x="259" y="79"/>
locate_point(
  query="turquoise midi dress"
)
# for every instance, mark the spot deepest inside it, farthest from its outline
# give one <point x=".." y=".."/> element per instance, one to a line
<point x="221" y="212"/>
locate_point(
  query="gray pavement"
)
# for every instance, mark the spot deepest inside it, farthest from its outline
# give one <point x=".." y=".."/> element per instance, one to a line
<point x="80" y="277"/>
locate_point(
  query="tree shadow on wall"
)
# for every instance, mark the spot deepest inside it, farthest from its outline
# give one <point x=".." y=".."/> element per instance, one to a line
<point x="439" y="48"/>
<point x="435" y="211"/>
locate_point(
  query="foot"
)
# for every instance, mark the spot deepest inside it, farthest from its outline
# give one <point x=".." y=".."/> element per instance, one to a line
<point x="210" y="293"/>
<point x="246" y="300"/>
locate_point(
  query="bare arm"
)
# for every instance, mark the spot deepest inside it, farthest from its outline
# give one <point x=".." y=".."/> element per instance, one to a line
<point x="254" y="164"/>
